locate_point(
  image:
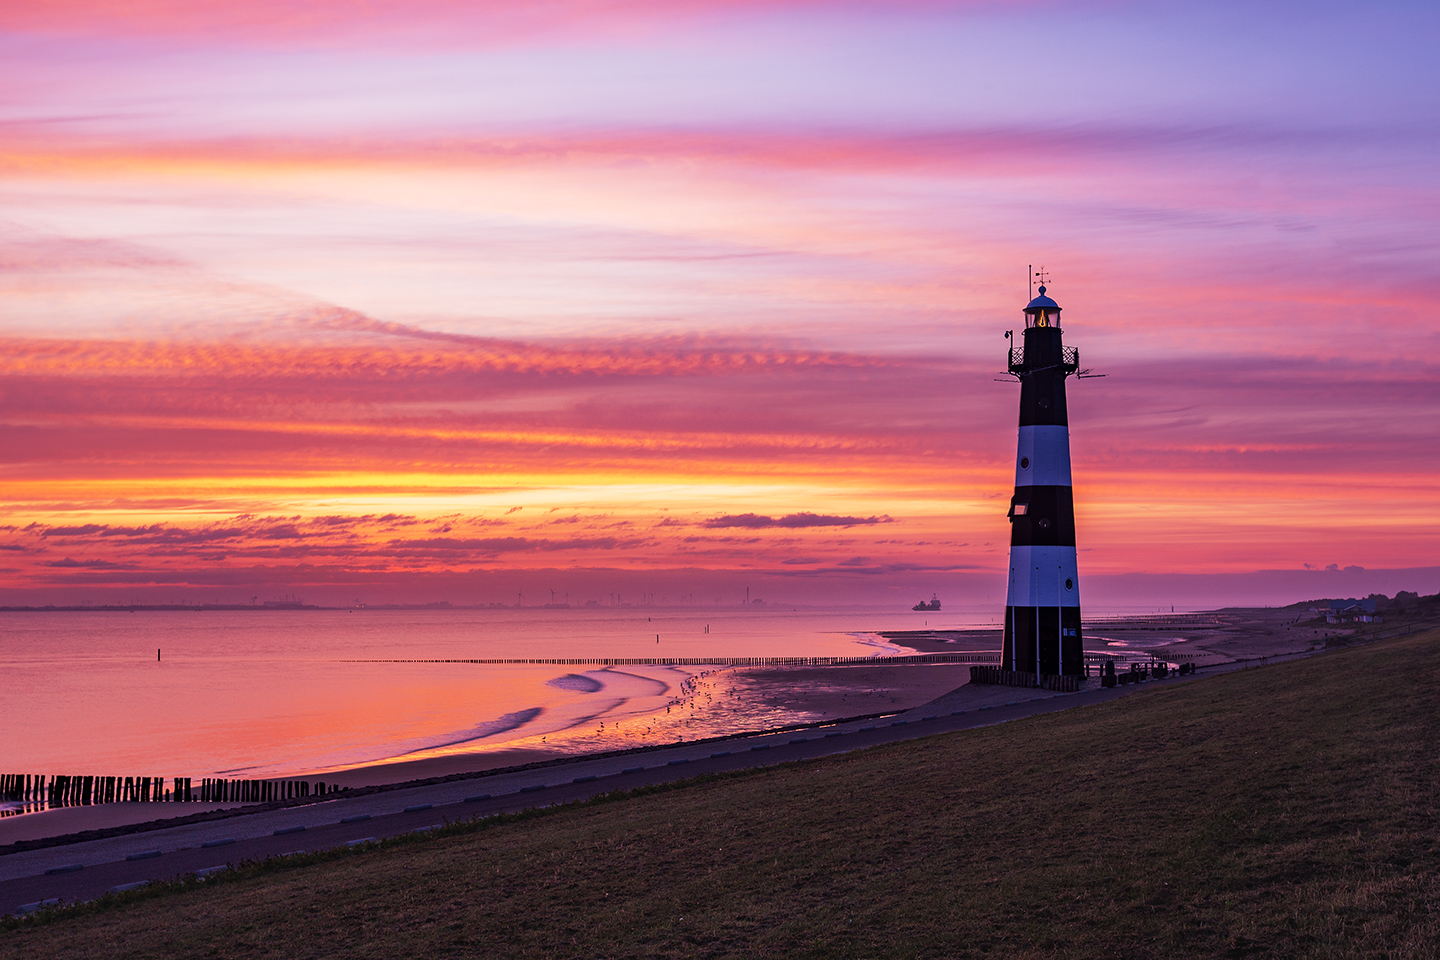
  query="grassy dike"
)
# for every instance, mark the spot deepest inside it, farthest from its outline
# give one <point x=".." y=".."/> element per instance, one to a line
<point x="1283" y="811"/>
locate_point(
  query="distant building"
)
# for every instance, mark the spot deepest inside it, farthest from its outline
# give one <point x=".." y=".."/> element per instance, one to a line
<point x="1349" y="607"/>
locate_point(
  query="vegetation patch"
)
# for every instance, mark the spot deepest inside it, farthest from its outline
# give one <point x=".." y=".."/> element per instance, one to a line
<point x="1287" y="810"/>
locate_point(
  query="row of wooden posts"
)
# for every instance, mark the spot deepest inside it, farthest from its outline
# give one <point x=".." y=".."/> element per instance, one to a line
<point x="908" y="658"/>
<point x="41" y="790"/>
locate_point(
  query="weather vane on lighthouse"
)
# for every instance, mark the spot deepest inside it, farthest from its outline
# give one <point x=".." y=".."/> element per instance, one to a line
<point x="1042" y="275"/>
<point x="1042" y="604"/>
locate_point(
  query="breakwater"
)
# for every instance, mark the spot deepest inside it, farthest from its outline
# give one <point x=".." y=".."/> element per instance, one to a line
<point x="981" y="656"/>
<point x="27" y="793"/>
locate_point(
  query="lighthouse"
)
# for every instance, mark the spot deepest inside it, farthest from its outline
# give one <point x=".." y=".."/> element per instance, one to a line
<point x="1042" y="604"/>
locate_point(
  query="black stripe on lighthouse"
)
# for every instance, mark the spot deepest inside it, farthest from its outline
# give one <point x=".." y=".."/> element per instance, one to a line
<point x="1042" y="517"/>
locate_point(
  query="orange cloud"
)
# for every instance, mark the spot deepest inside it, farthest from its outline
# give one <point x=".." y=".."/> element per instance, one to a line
<point x="150" y="465"/>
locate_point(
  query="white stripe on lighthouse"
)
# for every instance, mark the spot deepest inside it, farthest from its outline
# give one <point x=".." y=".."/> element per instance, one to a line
<point x="1042" y="458"/>
<point x="1038" y="576"/>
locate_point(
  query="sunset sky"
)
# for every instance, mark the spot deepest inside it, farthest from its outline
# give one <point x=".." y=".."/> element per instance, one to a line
<point x="440" y="300"/>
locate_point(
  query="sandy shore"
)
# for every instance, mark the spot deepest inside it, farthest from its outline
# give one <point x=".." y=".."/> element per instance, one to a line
<point x="717" y="701"/>
<point x="787" y="695"/>
<point x="1212" y="637"/>
<point x="714" y="702"/>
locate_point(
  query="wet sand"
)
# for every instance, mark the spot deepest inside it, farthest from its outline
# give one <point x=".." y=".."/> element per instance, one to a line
<point x="1213" y="637"/>
<point x="810" y="694"/>
<point x="716" y="702"/>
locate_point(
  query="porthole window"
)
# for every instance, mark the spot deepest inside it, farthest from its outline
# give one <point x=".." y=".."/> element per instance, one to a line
<point x="1069" y="584"/>
<point x="1024" y="463"/>
<point x="1044" y="523"/>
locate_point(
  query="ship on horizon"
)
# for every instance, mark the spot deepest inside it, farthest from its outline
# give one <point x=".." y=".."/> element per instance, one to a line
<point x="931" y="605"/>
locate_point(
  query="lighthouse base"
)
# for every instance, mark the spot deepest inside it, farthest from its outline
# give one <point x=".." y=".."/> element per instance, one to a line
<point x="999" y="676"/>
<point x="1043" y="640"/>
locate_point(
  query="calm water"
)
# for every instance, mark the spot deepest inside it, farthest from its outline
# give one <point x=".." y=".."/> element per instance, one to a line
<point x="288" y="692"/>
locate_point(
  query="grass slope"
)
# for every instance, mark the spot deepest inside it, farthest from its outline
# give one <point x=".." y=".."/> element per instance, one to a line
<point x="1289" y="810"/>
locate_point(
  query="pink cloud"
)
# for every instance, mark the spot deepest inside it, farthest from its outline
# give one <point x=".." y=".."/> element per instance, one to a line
<point x="430" y="23"/>
<point x="791" y="521"/>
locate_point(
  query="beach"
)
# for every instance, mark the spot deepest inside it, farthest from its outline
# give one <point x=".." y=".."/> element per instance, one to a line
<point x="713" y="702"/>
<point x="794" y="697"/>
<point x="709" y="701"/>
<point x="620" y="708"/>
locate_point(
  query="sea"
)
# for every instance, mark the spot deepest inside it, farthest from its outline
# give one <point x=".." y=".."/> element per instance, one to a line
<point x="281" y="693"/>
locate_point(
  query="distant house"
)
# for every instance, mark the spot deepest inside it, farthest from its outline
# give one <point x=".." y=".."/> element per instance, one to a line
<point x="1338" y="608"/>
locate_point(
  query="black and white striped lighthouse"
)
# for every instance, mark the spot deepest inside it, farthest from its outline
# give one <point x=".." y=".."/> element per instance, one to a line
<point x="1042" y="605"/>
